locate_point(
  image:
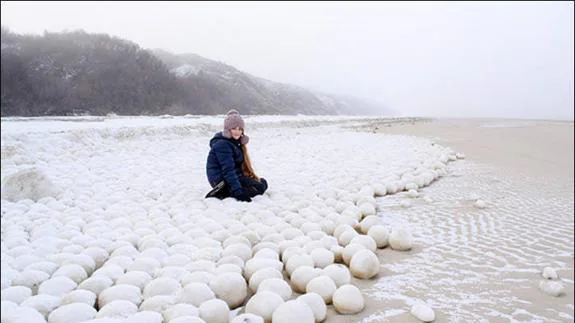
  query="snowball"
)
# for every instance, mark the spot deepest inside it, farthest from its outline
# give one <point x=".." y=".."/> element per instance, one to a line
<point x="337" y="253"/>
<point x="231" y="288"/>
<point x="145" y="316"/>
<point x="236" y="239"/>
<point x="118" y="309"/>
<point x="228" y="268"/>
<point x="276" y="285"/>
<point x="201" y="265"/>
<point x="480" y="204"/>
<point x="99" y="255"/>
<point x="44" y="304"/>
<point x="367" y="209"/>
<point x="297" y="261"/>
<point x="267" y="253"/>
<point x="214" y="311"/>
<point x="75" y="272"/>
<point x="21" y="314"/>
<point x="136" y="278"/>
<point x="262" y="275"/>
<point x="96" y="284"/>
<point x="293" y="311"/>
<point x="323" y="286"/>
<point x="235" y="260"/>
<point x="112" y="271"/>
<point x="400" y="239"/>
<point x="197" y="277"/>
<point x="291" y="251"/>
<point x="347" y="299"/>
<point x="549" y="273"/>
<point x="266" y="245"/>
<point x="366" y="241"/>
<point x="162" y="286"/>
<point x="380" y="234"/>
<point x="364" y="264"/>
<point x="346" y="237"/>
<point x="423" y="312"/>
<point x="350" y="250"/>
<point x="238" y="249"/>
<point x="29" y="183"/>
<point x="120" y="292"/>
<point x="180" y="310"/>
<point x="72" y="313"/>
<point x="338" y="273"/>
<point x="316" y="304"/>
<point x="31" y="279"/>
<point x="195" y="294"/>
<point x="552" y="287"/>
<point x="322" y="257"/>
<point x="57" y="286"/>
<point x="302" y="276"/>
<point x="79" y="296"/>
<point x="48" y="267"/>
<point x="264" y="303"/>
<point x="247" y="318"/>
<point x="158" y="303"/>
<point x="16" y="294"/>
<point x="256" y="264"/>
<point x="84" y="261"/>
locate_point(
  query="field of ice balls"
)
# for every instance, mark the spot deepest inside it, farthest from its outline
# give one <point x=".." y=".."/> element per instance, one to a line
<point x="285" y="257"/>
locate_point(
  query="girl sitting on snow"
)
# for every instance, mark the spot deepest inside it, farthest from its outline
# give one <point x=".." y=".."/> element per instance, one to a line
<point x="228" y="166"/>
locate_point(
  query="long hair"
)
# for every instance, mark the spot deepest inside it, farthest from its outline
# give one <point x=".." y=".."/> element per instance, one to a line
<point x="247" y="168"/>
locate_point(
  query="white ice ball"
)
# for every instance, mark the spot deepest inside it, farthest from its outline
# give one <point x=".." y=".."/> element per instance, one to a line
<point x="264" y="303"/>
<point x="278" y="286"/>
<point x="96" y="284"/>
<point x="350" y="250"/>
<point x="238" y="249"/>
<point x="247" y="318"/>
<point x="158" y="303"/>
<point x="368" y="222"/>
<point x="72" y="313"/>
<point x="293" y="311"/>
<point x="423" y="312"/>
<point x="367" y="209"/>
<point x="400" y="239"/>
<point x="118" y="309"/>
<point x="195" y="294"/>
<point x="322" y="257"/>
<point x="214" y="311"/>
<point x="298" y="260"/>
<point x="549" y="273"/>
<point x="364" y="264"/>
<point x="44" y="304"/>
<point x="57" y="286"/>
<point x="339" y="273"/>
<point x="324" y="286"/>
<point x="366" y="241"/>
<point x="180" y="310"/>
<point x="262" y="275"/>
<point x="552" y="287"/>
<point x="231" y="288"/>
<point x="316" y="304"/>
<point x="145" y="316"/>
<point x="256" y="264"/>
<point x="120" y="292"/>
<point x="31" y="183"/>
<point x="136" y="278"/>
<point x="31" y="279"/>
<point x="302" y="276"/>
<point x="346" y="237"/>
<point x="162" y="286"/>
<point x="347" y="299"/>
<point x="480" y="204"/>
<point x="16" y="294"/>
<point x="380" y="234"/>
<point x="79" y="296"/>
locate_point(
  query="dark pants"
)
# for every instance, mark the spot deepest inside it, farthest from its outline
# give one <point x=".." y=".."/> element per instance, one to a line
<point x="252" y="187"/>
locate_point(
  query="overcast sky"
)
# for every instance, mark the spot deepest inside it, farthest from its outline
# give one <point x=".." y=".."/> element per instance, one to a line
<point x="500" y="59"/>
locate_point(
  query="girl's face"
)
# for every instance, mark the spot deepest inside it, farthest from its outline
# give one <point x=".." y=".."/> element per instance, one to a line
<point x="236" y="133"/>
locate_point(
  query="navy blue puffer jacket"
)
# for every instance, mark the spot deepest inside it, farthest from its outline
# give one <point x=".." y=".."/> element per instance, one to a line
<point x="225" y="161"/>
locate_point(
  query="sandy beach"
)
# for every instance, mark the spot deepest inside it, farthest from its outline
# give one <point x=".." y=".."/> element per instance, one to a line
<point x="482" y="265"/>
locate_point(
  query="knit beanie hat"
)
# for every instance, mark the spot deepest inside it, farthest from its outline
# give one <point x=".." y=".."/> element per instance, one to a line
<point x="234" y="120"/>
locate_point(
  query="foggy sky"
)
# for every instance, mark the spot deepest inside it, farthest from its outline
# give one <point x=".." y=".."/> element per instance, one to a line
<point x="492" y="59"/>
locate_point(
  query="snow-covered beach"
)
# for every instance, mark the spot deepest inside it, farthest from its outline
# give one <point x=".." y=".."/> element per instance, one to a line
<point x="125" y="195"/>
